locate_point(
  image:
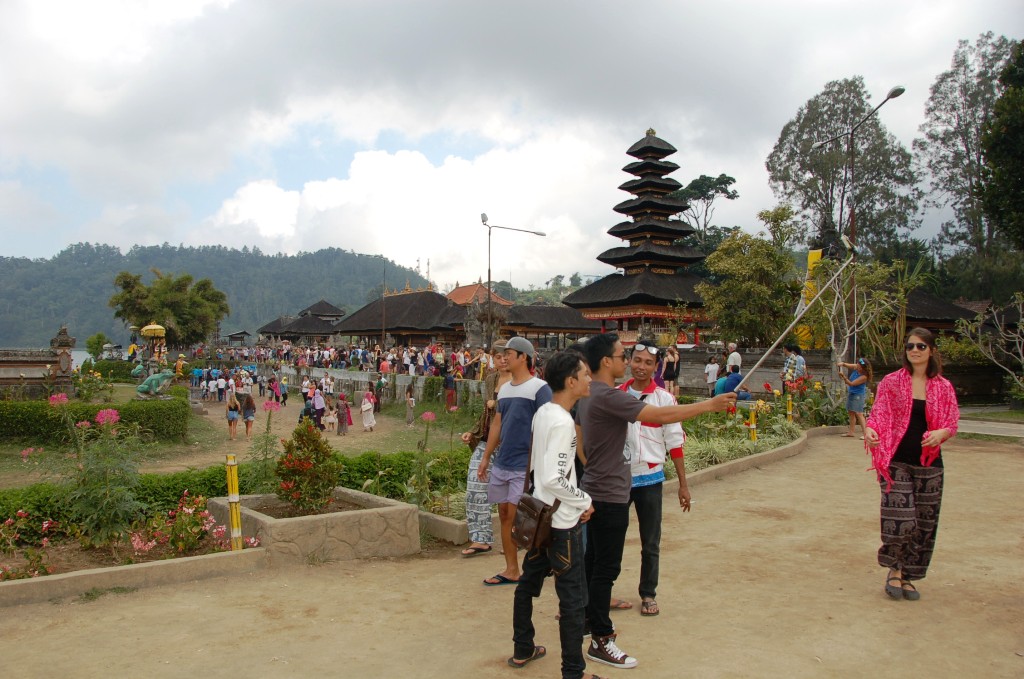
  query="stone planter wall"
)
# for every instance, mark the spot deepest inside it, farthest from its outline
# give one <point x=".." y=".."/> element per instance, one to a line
<point x="383" y="528"/>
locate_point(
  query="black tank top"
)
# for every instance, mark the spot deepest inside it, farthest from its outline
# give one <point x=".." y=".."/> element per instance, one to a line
<point x="909" y="450"/>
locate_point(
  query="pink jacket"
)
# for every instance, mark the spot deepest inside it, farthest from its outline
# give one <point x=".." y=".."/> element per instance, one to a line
<point x="890" y="415"/>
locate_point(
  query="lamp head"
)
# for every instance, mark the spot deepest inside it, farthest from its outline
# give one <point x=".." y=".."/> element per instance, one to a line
<point x="895" y="92"/>
<point x="483" y="217"/>
<point x="847" y="243"/>
<point x="817" y="145"/>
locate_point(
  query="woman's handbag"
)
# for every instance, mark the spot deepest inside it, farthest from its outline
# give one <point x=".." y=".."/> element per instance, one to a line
<point x="367" y="405"/>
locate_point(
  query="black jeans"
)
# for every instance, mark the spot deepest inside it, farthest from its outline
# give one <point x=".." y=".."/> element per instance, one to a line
<point x="606" y="536"/>
<point x="647" y="501"/>
<point x="563" y="558"/>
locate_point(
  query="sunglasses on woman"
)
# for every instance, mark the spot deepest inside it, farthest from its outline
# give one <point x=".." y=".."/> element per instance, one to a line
<point x="920" y="346"/>
<point x="643" y="347"/>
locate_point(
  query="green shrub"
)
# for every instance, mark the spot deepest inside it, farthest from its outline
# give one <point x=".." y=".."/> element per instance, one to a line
<point x="307" y="469"/>
<point x="116" y="371"/>
<point x="433" y="389"/>
<point x="178" y="391"/>
<point x="43" y="423"/>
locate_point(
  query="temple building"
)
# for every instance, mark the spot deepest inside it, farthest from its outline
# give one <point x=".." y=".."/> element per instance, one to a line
<point x="653" y="287"/>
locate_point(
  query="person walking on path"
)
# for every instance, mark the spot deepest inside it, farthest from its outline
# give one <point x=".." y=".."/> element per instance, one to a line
<point x="915" y="412"/>
<point x="711" y="374"/>
<point x="248" y="415"/>
<point x="670" y="370"/>
<point x="410" y="407"/>
<point x="605" y="417"/>
<point x="344" y="415"/>
<point x="856" y="393"/>
<point x="518" y="401"/>
<point x="366" y="409"/>
<point x="478" y="508"/>
<point x="552" y="457"/>
<point x="734" y="358"/>
<point x="233" y="412"/>
<point x="646" y="446"/>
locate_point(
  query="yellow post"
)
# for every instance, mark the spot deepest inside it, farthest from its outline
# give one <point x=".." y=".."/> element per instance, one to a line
<point x="235" y="512"/>
<point x="753" y="423"/>
<point x="789" y="407"/>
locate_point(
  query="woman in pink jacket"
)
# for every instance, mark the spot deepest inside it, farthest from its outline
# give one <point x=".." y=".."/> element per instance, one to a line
<point x="915" y="411"/>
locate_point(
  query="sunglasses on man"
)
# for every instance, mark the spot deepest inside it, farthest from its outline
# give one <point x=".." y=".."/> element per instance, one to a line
<point x="653" y="351"/>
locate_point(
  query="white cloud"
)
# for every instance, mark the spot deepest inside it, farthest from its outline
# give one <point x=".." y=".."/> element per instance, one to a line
<point x="142" y="104"/>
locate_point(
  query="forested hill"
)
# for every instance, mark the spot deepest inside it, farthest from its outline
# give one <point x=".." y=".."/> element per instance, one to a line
<point x="74" y="286"/>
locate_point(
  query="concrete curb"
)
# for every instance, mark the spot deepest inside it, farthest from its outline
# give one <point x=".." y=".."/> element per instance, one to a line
<point x="151" y="574"/>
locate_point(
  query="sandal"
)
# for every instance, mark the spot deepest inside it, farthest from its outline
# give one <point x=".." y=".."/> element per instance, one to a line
<point x="894" y="591"/>
<point x="538" y="653"/>
<point x="649" y="608"/>
<point x="910" y="593"/>
<point x="619" y="605"/>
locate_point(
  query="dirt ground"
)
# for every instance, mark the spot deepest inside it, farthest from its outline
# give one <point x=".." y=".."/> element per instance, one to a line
<point x="772" y="575"/>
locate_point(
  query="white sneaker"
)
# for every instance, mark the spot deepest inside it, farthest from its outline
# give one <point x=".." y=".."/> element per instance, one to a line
<point x="604" y="650"/>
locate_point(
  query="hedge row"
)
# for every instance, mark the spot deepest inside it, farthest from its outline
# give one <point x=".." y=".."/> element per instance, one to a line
<point x="40" y="422"/>
<point x="160" y="492"/>
<point x="118" y="371"/>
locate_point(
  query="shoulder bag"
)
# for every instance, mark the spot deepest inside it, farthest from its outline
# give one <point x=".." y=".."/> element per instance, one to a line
<point x="531" y="528"/>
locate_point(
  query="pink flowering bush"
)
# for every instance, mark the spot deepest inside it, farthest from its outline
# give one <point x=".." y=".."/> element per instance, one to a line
<point x="14" y="538"/>
<point x="107" y="416"/>
<point x="182" y="529"/>
<point x="58" y="399"/>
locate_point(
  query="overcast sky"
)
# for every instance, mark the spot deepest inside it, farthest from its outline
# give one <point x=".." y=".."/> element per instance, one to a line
<point x="389" y="126"/>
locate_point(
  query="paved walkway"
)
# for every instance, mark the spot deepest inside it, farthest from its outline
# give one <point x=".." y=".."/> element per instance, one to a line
<point x="773" y="574"/>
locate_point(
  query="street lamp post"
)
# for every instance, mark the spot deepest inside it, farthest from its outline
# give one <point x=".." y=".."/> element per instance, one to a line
<point x="851" y="152"/>
<point x="383" y="304"/>
<point x="483" y="219"/>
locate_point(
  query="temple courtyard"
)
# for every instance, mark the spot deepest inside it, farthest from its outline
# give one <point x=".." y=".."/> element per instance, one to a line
<point x="773" y="574"/>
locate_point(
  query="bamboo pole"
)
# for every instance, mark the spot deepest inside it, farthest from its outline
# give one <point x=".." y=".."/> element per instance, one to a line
<point x="235" y="511"/>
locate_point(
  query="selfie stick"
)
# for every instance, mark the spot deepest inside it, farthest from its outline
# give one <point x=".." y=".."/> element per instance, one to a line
<point x="800" y="314"/>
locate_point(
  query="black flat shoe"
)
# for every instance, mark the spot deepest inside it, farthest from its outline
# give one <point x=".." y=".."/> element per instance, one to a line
<point x="910" y="593"/>
<point x="894" y="591"/>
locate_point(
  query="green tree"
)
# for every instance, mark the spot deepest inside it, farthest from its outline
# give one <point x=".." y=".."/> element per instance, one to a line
<point x="94" y="345"/>
<point x="575" y="281"/>
<point x="1002" y="193"/>
<point x="959" y="108"/>
<point x="701" y="195"/>
<point x="818" y="183"/>
<point x="190" y="311"/>
<point x="757" y="292"/>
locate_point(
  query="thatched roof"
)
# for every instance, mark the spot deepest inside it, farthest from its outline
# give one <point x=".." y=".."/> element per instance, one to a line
<point x="553" y="317"/>
<point x="322" y="308"/>
<point x="424" y="311"/>
<point x="656" y="255"/>
<point x="274" y="326"/>
<point x="924" y="306"/>
<point x="651" y="147"/>
<point x="641" y="288"/>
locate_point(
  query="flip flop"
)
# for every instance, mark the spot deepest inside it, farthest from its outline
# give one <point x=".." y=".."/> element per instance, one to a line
<point x="619" y="605"/>
<point x="847" y="436"/>
<point x="538" y="653"/>
<point x="649" y="608"/>
<point x="474" y="551"/>
<point x="501" y="580"/>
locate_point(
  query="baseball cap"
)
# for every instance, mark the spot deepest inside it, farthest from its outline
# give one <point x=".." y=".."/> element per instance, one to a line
<point x="499" y="345"/>
<point x="520" y="344"/>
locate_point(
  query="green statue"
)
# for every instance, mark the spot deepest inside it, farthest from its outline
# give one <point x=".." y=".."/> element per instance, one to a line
<point x="139" y="370"/>
<point x="152" y="384"/>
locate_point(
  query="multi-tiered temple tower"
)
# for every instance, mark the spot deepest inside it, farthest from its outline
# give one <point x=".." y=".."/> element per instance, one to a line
<point x="654" y="277"/>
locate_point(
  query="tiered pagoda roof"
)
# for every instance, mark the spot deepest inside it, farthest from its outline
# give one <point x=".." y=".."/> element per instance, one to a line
<point x="653" y="266"/>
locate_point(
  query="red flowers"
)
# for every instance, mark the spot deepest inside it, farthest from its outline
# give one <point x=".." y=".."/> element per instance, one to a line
<point x="428" y="416"/>
<point x="767" y="386"/>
